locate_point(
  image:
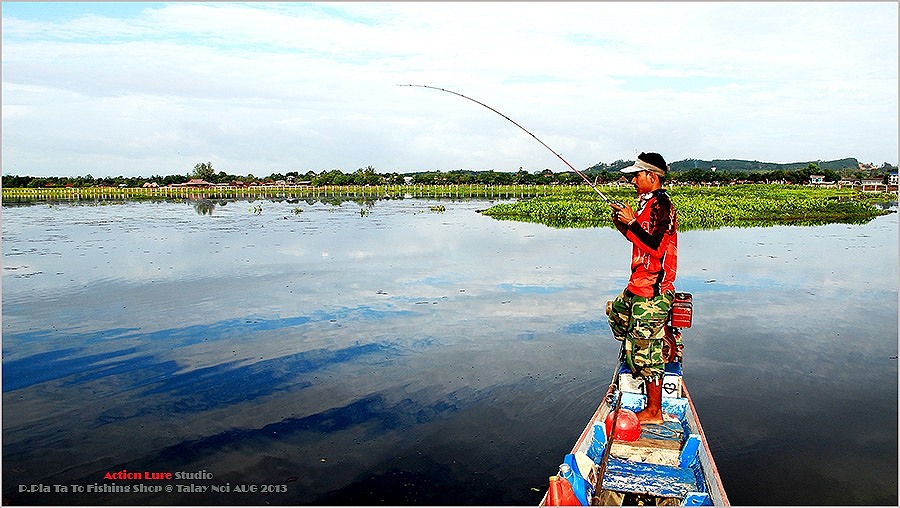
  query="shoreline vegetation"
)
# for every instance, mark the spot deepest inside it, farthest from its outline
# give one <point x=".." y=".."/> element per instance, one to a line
<point x="699" y="207"/>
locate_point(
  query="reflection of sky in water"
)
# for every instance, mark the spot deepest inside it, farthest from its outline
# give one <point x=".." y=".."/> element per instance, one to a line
<point x="408" y="347"/>
<point x="835" y="257"/>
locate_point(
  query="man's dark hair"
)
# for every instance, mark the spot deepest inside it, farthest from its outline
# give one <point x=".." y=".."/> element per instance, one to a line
<point x="655" y="159"/>
<point x="658" y="161"/>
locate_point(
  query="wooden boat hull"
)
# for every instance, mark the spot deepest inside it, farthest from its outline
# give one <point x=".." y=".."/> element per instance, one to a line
<point x="667" y="470"/>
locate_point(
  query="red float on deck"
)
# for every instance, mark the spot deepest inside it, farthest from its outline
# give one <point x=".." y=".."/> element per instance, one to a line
<point x="628" y="427"/>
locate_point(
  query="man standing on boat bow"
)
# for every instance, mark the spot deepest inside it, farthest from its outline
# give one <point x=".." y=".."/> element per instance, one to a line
<point x="638" y="316"/>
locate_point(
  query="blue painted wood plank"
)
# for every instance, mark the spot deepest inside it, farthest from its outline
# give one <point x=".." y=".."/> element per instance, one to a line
<point x="644" y="478"/>
<point x="598" y="444"/>
<point x="697" y="499"/>
<point x="689" y="451"/>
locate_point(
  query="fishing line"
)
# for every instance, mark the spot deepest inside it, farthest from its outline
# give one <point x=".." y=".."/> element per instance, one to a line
<point x="582" y="175"/>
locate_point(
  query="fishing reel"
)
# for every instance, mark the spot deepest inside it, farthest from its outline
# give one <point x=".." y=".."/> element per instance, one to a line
<point x="673" y="348"/>
<point x="616" y="206"/>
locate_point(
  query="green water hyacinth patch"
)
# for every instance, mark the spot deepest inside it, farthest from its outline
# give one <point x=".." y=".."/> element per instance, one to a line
<point x="705" y="207"/>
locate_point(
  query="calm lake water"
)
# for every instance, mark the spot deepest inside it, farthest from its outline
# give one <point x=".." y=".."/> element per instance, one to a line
<point x="388" y="353"/>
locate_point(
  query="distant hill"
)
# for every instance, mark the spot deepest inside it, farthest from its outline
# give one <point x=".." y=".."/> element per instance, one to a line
<point x="744" y="166"/>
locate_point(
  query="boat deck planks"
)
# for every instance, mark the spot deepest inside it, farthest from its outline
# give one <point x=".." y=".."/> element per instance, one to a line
<point x="651" y="447"/>
<point x="645" y="478"/>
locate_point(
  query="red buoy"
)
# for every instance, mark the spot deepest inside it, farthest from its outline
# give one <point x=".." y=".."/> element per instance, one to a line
<point x="628" y="427"/>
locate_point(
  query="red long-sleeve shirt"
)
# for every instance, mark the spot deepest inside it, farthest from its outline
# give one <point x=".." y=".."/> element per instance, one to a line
<point x="654" y="253"/>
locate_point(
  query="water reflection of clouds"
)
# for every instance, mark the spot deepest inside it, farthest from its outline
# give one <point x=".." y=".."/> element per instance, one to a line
<point x="837" y="256"/>
<point x="23" y="368"/>
<point x="267" y="349"/>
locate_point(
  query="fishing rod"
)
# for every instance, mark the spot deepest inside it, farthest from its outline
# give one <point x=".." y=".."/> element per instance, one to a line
<point x="617" y="404"/>
<point x="613" y="397"/>
<point x="582" y="175"/>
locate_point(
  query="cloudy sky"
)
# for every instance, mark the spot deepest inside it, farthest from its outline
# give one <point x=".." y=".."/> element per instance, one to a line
<point x="153" y="88"/>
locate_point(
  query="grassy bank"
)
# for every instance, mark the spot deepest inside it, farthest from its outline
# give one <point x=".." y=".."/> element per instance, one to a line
<point x="76" y="194"/>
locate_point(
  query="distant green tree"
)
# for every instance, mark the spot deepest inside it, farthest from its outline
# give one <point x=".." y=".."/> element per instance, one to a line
<point x="170" y="179"/>
<point x="522" y="177"/>
<point x="568" y="178"/>
<point x="366" y="176"/>
<point x="333" y="177"/>
<point x="16" y="181"/>
<point x="204" y="171"/>
<point x="495" y="178"/>
<point x="460" y="177"/>
<point x="428" y="178"/>
<point x="609" y="176"/>
<point x="831" y="175"/>
<point x="394" y="179"/>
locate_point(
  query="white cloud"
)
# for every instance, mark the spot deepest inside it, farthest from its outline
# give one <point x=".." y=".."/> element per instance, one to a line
<point x="267" y="87"/>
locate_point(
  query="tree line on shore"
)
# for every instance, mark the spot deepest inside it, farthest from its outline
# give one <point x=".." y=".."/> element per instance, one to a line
<point x="601" y="173"/>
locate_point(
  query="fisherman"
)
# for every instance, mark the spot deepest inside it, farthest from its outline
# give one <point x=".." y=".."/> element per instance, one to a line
<point x="638" y="315"/>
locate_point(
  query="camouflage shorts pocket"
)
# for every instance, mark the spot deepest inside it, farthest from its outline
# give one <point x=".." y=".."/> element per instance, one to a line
<point x="638" y="317"/>
<point x="652" y="309"/>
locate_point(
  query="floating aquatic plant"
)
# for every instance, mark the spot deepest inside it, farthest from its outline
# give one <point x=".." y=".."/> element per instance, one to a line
<point x="702" y="207"/>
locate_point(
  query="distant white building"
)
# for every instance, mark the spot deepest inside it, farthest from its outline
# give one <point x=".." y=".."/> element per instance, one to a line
<point x="848" y="182"/>
<point x="874" y="184"/>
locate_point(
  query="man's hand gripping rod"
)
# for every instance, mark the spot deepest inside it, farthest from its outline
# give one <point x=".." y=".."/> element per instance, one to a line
<point x="582" y="175"/>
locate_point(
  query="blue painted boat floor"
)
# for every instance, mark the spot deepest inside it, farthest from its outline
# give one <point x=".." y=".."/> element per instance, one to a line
<point x="644" y="478"/>
<point x="654" y="479"/>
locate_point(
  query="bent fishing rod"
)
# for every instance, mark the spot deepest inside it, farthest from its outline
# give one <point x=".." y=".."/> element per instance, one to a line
<point x="582" y="175"/>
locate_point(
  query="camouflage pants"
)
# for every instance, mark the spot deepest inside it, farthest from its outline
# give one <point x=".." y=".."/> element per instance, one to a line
<point x="640" y="322"/>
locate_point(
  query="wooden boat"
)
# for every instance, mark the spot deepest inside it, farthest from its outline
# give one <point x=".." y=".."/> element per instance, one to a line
<point x="669" y="464"/>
